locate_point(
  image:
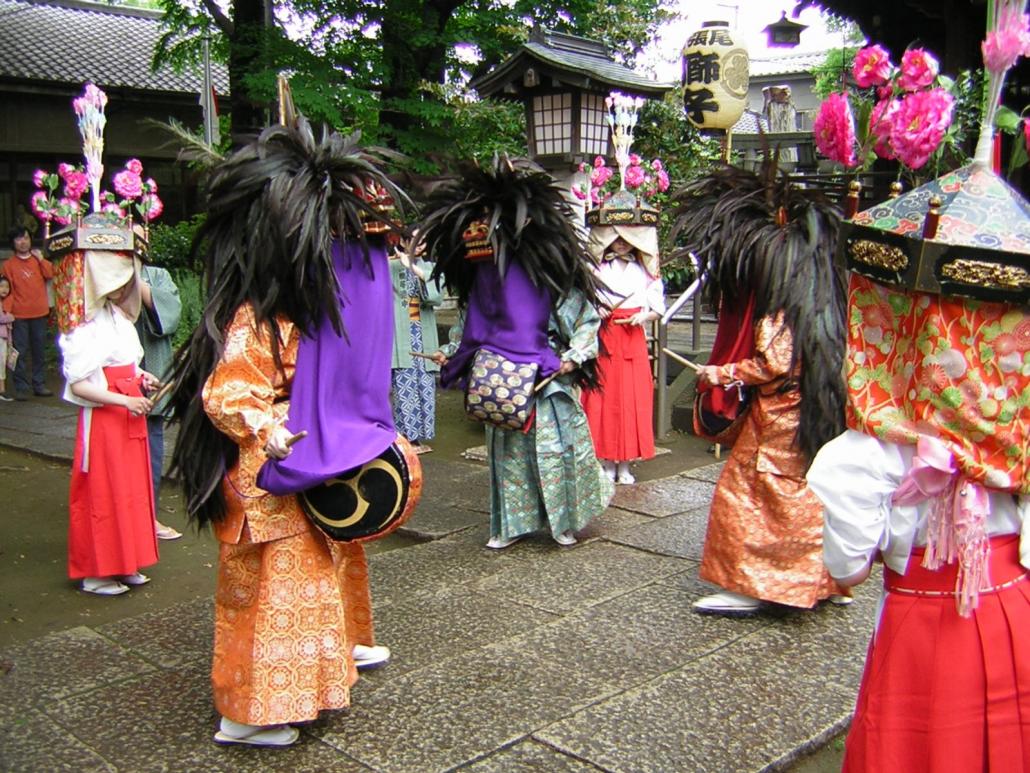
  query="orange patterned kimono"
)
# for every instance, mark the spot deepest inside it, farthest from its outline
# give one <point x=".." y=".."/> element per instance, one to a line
<point x="765" y="528"/>
<point x="290" y="604"/>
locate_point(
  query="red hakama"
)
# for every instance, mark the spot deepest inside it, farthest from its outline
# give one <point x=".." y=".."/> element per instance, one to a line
<point x="111" y="507"/>
<point x="942" y="692"/>
<point x="621" y="411"/>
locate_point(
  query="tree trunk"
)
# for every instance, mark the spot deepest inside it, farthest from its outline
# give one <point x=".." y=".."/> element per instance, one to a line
<point x="245" y="56"/>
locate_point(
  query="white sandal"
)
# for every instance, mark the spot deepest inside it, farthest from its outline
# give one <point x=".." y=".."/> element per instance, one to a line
<point x="256" y="735"/>
<point x="366" y="657"/>
<point x="102" y="586"/>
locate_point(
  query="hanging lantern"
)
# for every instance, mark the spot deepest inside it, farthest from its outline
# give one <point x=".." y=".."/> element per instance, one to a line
<point x="715" y="77"/>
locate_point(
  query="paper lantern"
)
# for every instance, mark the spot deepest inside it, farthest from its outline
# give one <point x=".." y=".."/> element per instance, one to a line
<point x="715" y="77"/>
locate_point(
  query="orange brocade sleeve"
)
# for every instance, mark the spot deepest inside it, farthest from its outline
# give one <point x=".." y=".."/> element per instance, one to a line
<point x="774" y="347"/>
<point x="240" y="393"/>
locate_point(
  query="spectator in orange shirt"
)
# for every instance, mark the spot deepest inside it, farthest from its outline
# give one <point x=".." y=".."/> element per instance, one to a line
<point x="28" y="272"/>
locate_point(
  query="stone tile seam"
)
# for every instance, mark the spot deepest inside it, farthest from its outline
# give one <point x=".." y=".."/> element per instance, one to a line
<point x="814" y="743"/>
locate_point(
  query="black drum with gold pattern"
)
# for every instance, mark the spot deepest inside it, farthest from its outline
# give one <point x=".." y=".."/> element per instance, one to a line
<point x="370" y="501"/>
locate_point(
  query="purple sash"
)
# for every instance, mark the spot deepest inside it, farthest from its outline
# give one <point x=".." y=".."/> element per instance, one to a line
<point x="508" y="316"/>
<point x="341" y="387"/>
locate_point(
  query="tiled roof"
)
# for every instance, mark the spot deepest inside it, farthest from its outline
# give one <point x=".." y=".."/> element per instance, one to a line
<point x="585" y="58"/>
<point x="69" y="41"/>
<point x="788" y="64"/>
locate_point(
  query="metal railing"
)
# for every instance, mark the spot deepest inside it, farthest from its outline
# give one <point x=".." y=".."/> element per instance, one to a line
<point x="666" y="394"/>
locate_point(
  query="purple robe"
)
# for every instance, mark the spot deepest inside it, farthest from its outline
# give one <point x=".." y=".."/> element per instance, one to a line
<point x="508" y="316"/>
<point x="341" y="387"/>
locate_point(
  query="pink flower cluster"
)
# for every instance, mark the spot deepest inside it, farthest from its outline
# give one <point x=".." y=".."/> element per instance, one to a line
<point x="647" y="179"/>
<point x="135" y="193"/>
<point x="45" y="202"/>
<point x="1009" y="40"/>
<point x="909" y="120"/>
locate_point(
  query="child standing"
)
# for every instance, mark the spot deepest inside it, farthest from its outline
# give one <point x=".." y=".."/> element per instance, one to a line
<point x="6" y="334"/>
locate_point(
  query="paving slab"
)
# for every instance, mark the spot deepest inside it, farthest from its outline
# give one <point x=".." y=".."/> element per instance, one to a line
<point x="460" y="485"/>
<point x="762" y="700"/>
<point x="427" y="628"/>
<point x="64" y="664"/>
<point x="433" y="521"/>
<point x="530" y="757"/>
<point x="665" y="496"/>
<point x="456" y="711"/>
<point x="579" y="576"/>
<point x="709" y="472"/>
<point x="679" y="535"/>
<point x="636" y="636"/>
<point x="31" y="742"/>
<point x="178" y="635"/>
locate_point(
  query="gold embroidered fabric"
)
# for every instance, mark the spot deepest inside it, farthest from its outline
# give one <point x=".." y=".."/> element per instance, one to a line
<point x="765" y="527"/>
<point x="290" y="605"/>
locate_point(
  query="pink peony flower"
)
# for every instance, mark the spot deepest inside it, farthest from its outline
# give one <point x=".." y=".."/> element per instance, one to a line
<point x="128" y="185"/>
<point x="834" y="129"/>
<point x="579" y="193"/>
<point x="918" y="69"/>
<point x="880" y="122"/>
<point x="39" y="178"/>
<point x="153" y="206"/>
<point x="634" y="159"/>
<point x="75" y="184"/>
<point x="63" y="170"/>
<point x="600" y="176"/>
<point x="151" y="186"/>
<point x="663" y="180"/>
<point x="40" y="204"/>
<point x="635" y="177"/>
<point x="1009" y="40"/>
<point x="598" y="162"/>
<point x="1026" y="134"/>
<point x="656" y="165"/>
<point x="919" y="124"/>
<point x="872" y="66"/>
<point x="134" y="166"/>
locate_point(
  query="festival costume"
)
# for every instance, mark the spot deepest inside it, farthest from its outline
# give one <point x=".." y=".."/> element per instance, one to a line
<point x="767" y="251"/>
<point x="764" y="537"/>
<point x="413" y="383"/>
<point x="526" y="293"/>
<point x="111" y="520"/>
<point x="302" y="347"/>
<point x="279" y="578"/>
<point x="932" y="474"/>
<point x="621" y="410"/>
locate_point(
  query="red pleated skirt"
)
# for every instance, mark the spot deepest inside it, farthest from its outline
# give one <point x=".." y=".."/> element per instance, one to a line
<point x="942" y="692"/>
<point x="111" y="507"/>
<point x="620" y="413"/>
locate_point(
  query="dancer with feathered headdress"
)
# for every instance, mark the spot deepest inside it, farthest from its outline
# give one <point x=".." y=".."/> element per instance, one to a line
<point x="767" y="250"/>
<point x="295" y="339"/>
<point x="504" y="240"/>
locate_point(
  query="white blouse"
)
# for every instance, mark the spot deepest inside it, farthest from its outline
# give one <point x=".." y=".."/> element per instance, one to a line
<point x="107" y="339"/>
<point x="627" y="280"/>
<point x="855" y="475"/>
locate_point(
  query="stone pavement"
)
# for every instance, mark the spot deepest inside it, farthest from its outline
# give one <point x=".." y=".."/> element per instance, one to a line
<point x="536" y="658"/>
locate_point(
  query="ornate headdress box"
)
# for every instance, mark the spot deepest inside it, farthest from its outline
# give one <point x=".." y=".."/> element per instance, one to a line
<point x="98" y="231"/>
<point x="623" y="208"/>
<point x="965" y="234"/>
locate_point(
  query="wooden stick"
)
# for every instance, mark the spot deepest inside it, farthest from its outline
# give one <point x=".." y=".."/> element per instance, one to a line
<point x="422" y="355"/>
<point x="294" y="438"/>
<point x="545" y="382"/>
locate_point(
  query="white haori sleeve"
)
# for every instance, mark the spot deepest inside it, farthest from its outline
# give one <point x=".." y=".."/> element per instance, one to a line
<point x="656" y="295"/>
<point x="854" y="475"/>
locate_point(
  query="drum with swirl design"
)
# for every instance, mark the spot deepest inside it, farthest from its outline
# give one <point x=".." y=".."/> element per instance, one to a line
<point x="370" y="501"/>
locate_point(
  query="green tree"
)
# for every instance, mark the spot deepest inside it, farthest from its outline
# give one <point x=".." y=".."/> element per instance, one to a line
<point x="375" y="65"/>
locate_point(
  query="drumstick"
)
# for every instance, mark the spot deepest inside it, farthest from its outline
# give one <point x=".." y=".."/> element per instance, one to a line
<point x="420" y="354"/>
<point x="546" y="381"/>
<point x="294" y="438"/>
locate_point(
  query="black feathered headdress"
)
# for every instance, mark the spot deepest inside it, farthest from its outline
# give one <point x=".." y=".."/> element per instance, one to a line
<point x="274" y="208"/>
<point x="761" y="235"/>
<point x="528" y="220"/>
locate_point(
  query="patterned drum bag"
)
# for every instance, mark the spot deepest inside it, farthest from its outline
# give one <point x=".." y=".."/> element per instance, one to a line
<point x="500" y="392"/>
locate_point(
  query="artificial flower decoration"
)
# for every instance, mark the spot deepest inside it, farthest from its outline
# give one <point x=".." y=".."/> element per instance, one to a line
<point x="1009" y="40"/>
<point x="47" y="205"/>
<point x="872" y="67"/>
<point x="919" y="124"/>
<point x="918" y="70"/>
<point x="645" y="179"/>
<point x="834" y="130"/>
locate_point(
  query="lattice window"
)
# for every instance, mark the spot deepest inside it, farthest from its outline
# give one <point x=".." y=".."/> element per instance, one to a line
<point x="593" y="139"/>
<point x="552" y="124"/>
